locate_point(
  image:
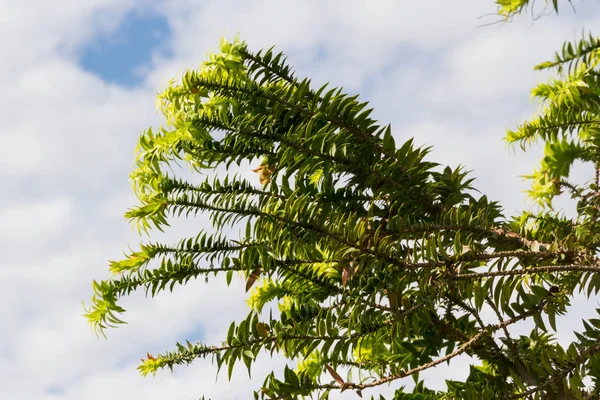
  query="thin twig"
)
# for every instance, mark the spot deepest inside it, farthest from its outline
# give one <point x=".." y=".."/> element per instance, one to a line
<point x="530" y="270"/>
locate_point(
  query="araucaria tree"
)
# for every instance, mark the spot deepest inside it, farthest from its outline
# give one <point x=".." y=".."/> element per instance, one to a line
<point x="376" y="264"/>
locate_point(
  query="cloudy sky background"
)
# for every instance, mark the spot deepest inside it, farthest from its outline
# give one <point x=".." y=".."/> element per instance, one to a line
<point x="79" y="80"/>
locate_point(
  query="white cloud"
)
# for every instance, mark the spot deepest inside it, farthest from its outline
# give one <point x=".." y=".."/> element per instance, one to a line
<point x="38" y="30"/>
<point x="34" y="220"/>
<point x="343" y="41"/>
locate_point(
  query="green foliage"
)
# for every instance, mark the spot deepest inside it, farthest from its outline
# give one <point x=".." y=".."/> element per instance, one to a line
<point x="375" y="263"/>
<point x="510" y="8"/>
<point x="583" y="52"/>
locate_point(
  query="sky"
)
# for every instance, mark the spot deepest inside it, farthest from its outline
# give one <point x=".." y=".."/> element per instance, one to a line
<point x="79" y="80"/>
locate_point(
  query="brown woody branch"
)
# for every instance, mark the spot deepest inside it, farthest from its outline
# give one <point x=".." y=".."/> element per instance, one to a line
<point x="530" y="270"/>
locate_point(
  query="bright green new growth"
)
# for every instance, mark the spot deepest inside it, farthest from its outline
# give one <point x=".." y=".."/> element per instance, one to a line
<point x="510" y="8"/>
<point x="381" y="264"/>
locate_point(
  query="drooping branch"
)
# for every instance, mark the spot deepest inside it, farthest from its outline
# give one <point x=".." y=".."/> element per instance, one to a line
<point x="462" y="349"/>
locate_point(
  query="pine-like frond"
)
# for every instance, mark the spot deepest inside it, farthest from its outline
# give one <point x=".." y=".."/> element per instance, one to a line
<point x="378" y="261"/>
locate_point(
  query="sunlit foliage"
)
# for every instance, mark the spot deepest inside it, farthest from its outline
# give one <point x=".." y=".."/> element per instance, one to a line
<point x="376" y="263"/>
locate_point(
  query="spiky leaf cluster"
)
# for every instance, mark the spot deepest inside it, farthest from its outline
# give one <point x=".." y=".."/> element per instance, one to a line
<point x="510" y="8"/>
<point x="376" y="264"/>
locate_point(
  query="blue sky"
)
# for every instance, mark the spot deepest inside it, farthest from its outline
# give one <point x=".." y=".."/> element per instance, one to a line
<point x="79" y="83"/>
<point x="121" y="56"/>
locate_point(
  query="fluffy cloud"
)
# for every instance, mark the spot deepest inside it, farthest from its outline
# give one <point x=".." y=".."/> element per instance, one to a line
<point x="68" y="136"/>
